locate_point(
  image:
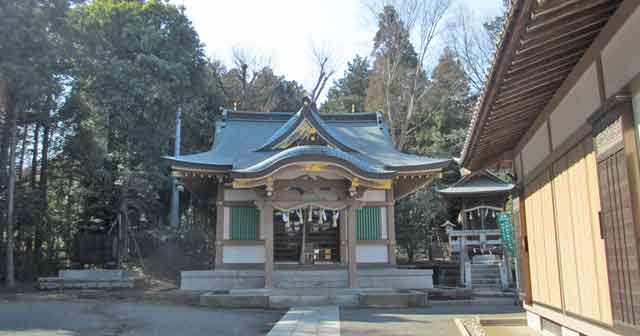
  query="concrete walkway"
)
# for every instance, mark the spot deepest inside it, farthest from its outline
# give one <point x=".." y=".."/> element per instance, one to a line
<point x="309" y="321"/>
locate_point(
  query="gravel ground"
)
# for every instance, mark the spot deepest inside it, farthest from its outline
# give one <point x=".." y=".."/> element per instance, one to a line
<point x="89" y="317"/>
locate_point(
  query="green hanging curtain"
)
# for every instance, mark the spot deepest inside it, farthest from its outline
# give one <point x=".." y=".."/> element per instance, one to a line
<point x="368" y="224"/>
<point x="244" y="223"/>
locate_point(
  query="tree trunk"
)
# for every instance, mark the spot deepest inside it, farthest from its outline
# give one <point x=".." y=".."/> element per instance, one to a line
<point x="11" y="123"/>
<point x="34" y="157"/>
<point x="4" y="141"/>
<point x="36" y="245"/>
<point x="23" y="149"/>
<point x="44" y="164"/>
<point x="123" y="224"/>
<point x="402" y="137"/>
<point x="410" y="254"/>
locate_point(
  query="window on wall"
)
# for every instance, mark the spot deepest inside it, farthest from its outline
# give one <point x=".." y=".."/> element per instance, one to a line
<point x="244" y="223"/>
<point x="368" y="224"/>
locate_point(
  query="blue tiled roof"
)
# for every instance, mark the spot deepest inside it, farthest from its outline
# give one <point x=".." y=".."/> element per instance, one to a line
<point x="239" y="144"/>
<point x="479" y="182"/>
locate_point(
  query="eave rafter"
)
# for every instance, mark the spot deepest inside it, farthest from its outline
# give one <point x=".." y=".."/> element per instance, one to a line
<point x="541" y="44"/>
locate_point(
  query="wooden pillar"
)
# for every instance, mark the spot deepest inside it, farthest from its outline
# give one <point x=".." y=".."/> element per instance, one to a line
<point x="219" y="222"/>
<point x="266" y="219"/>
<point x="463" y="247"/>
<point x="343" y="227"/>
<point x="351" y="243"/>
<point x="391" y="227"/>
<point x="524" y="263"/>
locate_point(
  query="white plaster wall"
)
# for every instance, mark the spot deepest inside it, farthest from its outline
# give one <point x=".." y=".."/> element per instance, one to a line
<point x="516" y="167"/>
<point x="243" y="254"/>
<point x="383" y="223"/>
<point x="227" y="223"/>
<point x="620" y="61"/>
<point x="372" y="253"/>
<point x="536" y="149"/>
<point x="574" y="109"/>
<point x="240" y="195"/>
<point x="374" y="196"/>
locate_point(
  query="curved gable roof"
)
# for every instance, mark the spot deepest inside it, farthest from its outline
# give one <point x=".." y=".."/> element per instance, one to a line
<point x="308" y="114"/>
<point x="479" y="182"/>
<point x="245" y="143"/>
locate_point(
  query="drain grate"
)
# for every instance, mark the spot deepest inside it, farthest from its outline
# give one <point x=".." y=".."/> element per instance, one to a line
<point x="515" y="322"/>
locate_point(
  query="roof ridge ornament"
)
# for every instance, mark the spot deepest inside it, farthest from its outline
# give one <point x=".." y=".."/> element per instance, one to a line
<point x="305" y="127"/>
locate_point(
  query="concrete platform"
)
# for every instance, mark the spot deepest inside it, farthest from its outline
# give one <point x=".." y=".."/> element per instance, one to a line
<point x="296" y="297"/>
<point x="383" y="277"/>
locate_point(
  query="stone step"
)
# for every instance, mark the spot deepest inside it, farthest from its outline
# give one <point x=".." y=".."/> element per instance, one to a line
<point x="486" y="274"/>
<point x="485" y="267"/>
<point x="485" y="271"/>
<point x="486" y="286"/>
<point x="319" y="279"/>
<point x="485" y="280"/>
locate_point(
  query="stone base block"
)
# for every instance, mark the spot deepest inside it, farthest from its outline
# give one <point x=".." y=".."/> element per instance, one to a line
<point x="221" y="279"/>
<point x="393" y="299"/>
<point x="396" y="278"/>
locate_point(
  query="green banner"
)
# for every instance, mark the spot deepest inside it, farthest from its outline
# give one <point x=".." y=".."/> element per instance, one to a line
<point x="506" y="229"/>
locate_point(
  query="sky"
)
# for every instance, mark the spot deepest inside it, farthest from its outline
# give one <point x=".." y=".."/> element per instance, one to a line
<point x="284" y="32"/>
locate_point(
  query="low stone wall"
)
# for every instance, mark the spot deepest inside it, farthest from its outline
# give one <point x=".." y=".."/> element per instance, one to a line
<point x="89" y="279"/>
<point x="247" y="279"/>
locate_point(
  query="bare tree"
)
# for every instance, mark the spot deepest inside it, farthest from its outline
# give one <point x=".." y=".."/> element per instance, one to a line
<point x="250" y="65"/>
<point x="422" y="21"/>
<point x="322" y="58"/>
<point x="473" y="45"/>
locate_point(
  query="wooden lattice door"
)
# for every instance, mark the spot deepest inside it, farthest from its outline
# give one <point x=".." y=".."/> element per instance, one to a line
<point x="618" y="225"/>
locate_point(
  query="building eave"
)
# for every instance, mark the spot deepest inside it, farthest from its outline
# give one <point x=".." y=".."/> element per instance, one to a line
<point x="541" y="43"/>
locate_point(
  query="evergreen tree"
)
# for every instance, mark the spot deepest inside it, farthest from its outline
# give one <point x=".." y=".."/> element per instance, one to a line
<point x="34" y="60"/>
<point x="349" y="92"/>
<point x="441" y="130"/>
<point x="393" y="72"/>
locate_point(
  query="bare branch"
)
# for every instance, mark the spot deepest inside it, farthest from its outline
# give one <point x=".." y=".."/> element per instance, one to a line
<point x="472" y="44"/>
<point x="322" y="58"/>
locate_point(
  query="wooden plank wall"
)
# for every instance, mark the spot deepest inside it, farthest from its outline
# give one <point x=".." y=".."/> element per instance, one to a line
<point x="568" y="268"/>
<point x="582" y="256"/>
<point x="542" y="242"/>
